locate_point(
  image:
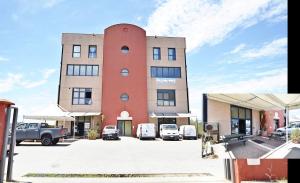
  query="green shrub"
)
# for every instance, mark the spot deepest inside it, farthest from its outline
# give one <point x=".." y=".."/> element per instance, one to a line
<point x="92" y="134"/>
<point x="295" y="135"/>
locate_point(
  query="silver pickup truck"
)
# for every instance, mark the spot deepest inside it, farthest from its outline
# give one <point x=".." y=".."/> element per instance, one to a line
<point x="39" y="131"/>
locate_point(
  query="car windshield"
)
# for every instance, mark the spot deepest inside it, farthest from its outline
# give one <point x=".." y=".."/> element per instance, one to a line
<point x="110" y="127"/>
<point x="170" y="127"/>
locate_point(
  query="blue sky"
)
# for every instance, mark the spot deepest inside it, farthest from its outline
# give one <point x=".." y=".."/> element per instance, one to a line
<point x="232" y="45"/>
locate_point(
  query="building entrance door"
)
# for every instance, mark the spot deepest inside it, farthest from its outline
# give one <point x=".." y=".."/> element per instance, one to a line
<point x="80" y="129"/>
<point x="276" y="124"/>
<point x="242" y="126"/>
<point x="125" y="128"/>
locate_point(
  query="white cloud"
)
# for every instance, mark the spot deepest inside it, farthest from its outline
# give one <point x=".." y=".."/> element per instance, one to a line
<point x="276" y="47"/>
<point x="7" y="84"/>
<point x="238" y="48"/>
<point x="209" y="22"/>
<point x="3" y="59"/>
<point x="239" y="54"/>
<point x="270" y="82"/>
<point x="13" y="81"/>
<point x="33" y="6"/>
<point x="139" y="18"/>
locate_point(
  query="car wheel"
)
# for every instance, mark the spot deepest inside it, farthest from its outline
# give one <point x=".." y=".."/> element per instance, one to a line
<point x="46" y="140"/>
<point x="55" y="141"/>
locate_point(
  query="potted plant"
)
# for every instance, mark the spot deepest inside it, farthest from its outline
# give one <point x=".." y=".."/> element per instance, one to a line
<point x="92" y="134"/>
<point x="295" y="135"/>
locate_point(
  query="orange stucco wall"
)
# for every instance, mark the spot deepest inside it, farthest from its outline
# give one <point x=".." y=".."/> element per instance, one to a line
<point x="113" y="84"/>
<point x="244" y="172"/>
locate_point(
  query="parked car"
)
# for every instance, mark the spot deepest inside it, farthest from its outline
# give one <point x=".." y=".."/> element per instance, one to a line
<point x="110" y="132"/>
<point x="169" y="131"/>
<point x="146" y="130"/>
<point x="292" y="125"/>
<point x="188" y="132"/>
<point x="39" y="131"/>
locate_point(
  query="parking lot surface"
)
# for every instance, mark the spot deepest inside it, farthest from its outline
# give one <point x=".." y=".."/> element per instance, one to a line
<point x="128" y="155"/>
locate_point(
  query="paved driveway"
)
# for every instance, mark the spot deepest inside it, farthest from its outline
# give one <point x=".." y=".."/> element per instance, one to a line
<point x="128" y="155"/>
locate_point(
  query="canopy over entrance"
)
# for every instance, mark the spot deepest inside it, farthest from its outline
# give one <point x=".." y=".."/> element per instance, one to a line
<point x="260" y="101"/>
<point x="171" y="115"/>
<point x="53" y="112"/>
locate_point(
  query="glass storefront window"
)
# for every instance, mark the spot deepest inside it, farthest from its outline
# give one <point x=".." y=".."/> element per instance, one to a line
<point x="235" y="126"/>
<point x="234" y="112"/>
<point x="242" y="113"/>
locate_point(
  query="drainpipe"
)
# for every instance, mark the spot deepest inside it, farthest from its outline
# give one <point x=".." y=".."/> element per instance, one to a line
<point x="204" y="110"/>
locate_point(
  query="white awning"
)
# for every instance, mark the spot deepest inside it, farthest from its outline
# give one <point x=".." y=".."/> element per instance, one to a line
<point x="260" y="101"/>
<point x="84" y="113"/>
<point x="171" y="115"/>
<point x="52" y="118"/>
<point x="52" y="112"/>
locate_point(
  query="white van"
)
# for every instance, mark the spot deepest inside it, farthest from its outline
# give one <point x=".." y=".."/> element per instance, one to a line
<point x="146" y="130"/>
<point x="188" y="132"/>
<point x="169" y="131"/>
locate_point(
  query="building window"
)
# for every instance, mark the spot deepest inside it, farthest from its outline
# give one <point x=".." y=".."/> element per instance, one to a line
<point x="166" y="98"/>
<point x="156" y="53"/>
<point x="124" y="97"/>
<point x="82" y="96"/>
<point x="124" y="72"/>
<point x="70" y="70"/>
<point x="165" y="72"/>
<point x="76" y="51"/>
<point x="171" y="54"/>
<point x="82" y="70"/>
<point x="125" y="49"/>
<point x="241" y="120"/>
<point x="92" y="51"/>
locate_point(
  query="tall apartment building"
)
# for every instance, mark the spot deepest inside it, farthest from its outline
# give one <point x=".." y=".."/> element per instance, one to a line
<point x="123" y="78"/>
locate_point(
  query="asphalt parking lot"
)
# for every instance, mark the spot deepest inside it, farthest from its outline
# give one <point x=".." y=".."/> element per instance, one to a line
<point x="128" y="155"/>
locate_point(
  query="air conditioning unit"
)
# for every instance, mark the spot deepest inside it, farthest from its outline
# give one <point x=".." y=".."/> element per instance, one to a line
<point x="211" y="126"/>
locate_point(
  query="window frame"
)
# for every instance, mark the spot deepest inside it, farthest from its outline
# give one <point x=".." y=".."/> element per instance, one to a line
<point x="73" y="50"/>
<point x="171" y="55"/>
<point x="90" y="46"/>
<point x="80" y="67"/>
<point x="82" y="90"/>
<point x="154" y="69"/>
<point x="238" y="118"/>
<point x="164" y="101"/>
<point x="125" y="49"/>
<point x="123" y="73"/>
<point x="159" y="53"/>
<point x="121" y="97"/>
